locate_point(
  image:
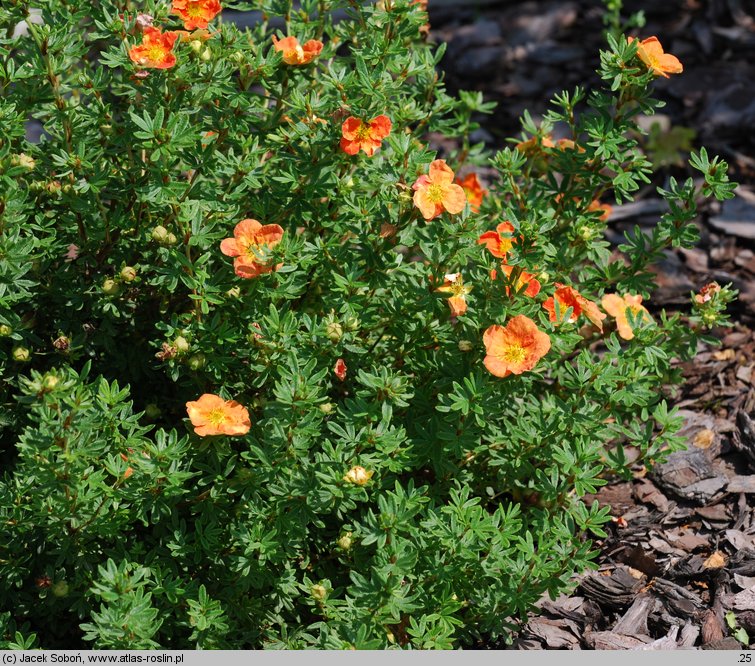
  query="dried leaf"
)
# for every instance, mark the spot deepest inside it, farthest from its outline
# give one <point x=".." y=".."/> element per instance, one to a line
<point x="704" y="439"/>
<point x="715" y="561"/>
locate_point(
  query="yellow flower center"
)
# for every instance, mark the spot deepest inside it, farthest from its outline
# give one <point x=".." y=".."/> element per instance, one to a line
<point x="514" y="354"/>
<point x="217" y="417"/>
<point x="253" y="250"/>
<point x="435" y="194"/>
<point x="156" y="52"/>
<point x="363" y="132"/>
<point x="194" y="10"/>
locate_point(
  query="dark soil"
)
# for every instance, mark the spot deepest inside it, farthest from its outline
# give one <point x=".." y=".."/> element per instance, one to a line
<point x="680" y="555"/>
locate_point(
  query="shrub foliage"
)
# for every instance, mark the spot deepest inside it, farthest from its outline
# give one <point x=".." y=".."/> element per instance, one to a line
<point x="411" y="439"/>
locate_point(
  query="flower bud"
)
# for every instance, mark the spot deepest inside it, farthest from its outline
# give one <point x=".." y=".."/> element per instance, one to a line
<point x="319" y="592"/>
<point x="181" y="344"/>
<point x="465" y="345"/>
<point x="197" y="361"/>
<point x="23" y="160"/>
<point x="5" y="330"/>
<point x="195" y="45"/>
<point x="326" y="407"/>
<point x="62" y="343"/>
<point x="206" y="55"/>
<point x="345" y="541"/>
<point x="585" y="232"/>
<point x="152" y="411"/>
<point x="128" y="274"/>
<point x="110" y="287"/>
<point x="237" y="56"/>
<point x="53" y="187"/>
<point x="233" y="292"/>
<point x="60" y="589"/>
<point x="544" y="278"/>
<point x="171" y="239"/>
<point x="49" y="382"/>
<point x="358" y="475"/>
<point x="21" y="354"/>
<point x="160" y="234"/>
<point x="352" y="323"/>
<point x="334" y="331"/>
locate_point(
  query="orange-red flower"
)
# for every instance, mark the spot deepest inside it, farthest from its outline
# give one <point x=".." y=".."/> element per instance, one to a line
<point x="534" y="145"/>
<point x="651" y="53"/>
<point x="567" y="297"/>
<point x="498" y="242"/>
<point x="605" y="209"/>
<point x="211" y="415"/>
<point x="295" y="53"/>
<point x="251" y="245"/>
<point x="129" y="470"/>
<point x="367" y="136"/>
<point x="155" y="50"/>
<point x="339" y="370"/>
<point x="196" y="13"/>
<point x="453" y="284"/>
<point x="515" y="348"/>
<point x="437" y="192"/>
<point x="533" y="285"/>
<point x="618" y="307"/>
<point x="474" y="191"/>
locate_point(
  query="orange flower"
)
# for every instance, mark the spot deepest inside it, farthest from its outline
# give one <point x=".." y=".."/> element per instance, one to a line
<point x="533" y="285"/>
<point x="295" y="53"/>
<point x="250" y="246"/>
<point x="605" y="209"/>
<point x="437" y="192"/>
<point x="618" y="306"/>
<point x="156" y="49"/>
<point x="534" y="145"/>
<point x="567" y="144"/>
<point x="453" y="284"/>
<point x="516" y="348"/>
<point x="566" y="297"/>
<point x="474" y="191"/>
<point x="651" y="53"/>
<point x="497" y="243"/>
<point x="129" y="470"/>
<point x="339" y="370"/>
<point x="196" y="13"/>
<point x="211" y="415"/>
<point x="367" y="136"/>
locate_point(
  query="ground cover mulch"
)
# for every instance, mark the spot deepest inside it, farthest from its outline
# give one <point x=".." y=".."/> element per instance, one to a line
<point x="680" y="554"/>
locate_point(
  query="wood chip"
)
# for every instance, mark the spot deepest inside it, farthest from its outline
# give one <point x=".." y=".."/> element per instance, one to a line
<point x="712" y="627"/>
<point x="635" y="620"/>
<point x="739" y="539"/>
<point x="608" y="640"/>
<point x="741" y="484"/>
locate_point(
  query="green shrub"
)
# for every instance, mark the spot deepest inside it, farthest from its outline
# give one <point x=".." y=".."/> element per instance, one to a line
<point x="378" y="484"/>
